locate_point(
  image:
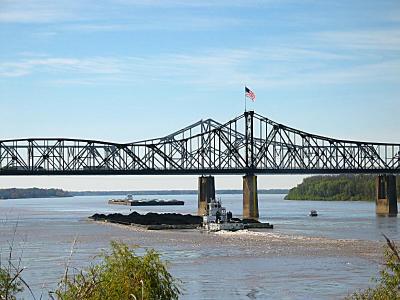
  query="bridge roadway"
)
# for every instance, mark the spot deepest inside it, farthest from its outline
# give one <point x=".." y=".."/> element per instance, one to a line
<point x="249" y="144"/>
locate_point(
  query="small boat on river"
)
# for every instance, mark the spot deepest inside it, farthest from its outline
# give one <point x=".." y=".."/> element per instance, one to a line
<point x="313" y="213"/>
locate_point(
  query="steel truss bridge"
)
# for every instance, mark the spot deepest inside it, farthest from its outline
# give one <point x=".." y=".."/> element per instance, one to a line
<point x="248" y="144"/>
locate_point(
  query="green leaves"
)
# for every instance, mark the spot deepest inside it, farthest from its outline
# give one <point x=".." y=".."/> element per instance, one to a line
<point x="10" y="284"/>
<point x="121" y="275"/>
<point x="388" y="285"/>
<point x="342" y="187"/>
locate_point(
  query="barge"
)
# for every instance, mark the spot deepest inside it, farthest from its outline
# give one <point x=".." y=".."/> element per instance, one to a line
<point x="144" y="202"/>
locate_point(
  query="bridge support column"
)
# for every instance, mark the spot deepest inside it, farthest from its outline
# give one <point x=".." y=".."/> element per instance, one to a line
<point x="250" y="197"/>
<point x="386" y="195"/>
<point x="206" y="192"/>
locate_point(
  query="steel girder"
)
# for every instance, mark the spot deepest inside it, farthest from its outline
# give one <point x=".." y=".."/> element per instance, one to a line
<point x="249" y="143"/>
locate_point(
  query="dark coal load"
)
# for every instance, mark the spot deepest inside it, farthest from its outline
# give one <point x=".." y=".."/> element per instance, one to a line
<point x="150" y="219"/>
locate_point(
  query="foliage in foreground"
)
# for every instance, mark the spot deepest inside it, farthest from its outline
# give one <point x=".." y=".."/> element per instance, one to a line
<point x="121" y="275"/>
<point x="388" y="287"/>
<point x="11" y="281"/>
<point x="10" y="284"/>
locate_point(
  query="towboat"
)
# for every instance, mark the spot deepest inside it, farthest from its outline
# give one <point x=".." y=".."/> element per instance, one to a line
<point x="313" y="213"/>
<point x="218" y="219"/>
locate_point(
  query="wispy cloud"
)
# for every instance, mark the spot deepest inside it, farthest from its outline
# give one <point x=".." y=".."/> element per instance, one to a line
<point x="60" y="66"/>
<point x="49" y="11"/>
<point x="38" y="11"/>
<point x="388" y="39"/>
<point x="392" y="15"/>
<point x="204" y="3"/>
<point x="88" y="17"/>
<point x="159" y="23"/>
<point x="270" y="66"/>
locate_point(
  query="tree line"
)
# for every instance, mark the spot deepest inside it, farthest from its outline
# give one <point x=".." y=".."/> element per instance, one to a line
<point x="337" y="188"/>
<point x="32" y="193"/>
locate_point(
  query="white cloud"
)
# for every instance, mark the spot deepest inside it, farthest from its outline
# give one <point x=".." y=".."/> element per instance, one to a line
<point x="326" y="58"/>
<point x="159" y="23"/>
<point x="388" y="39"/>
<point x="263" y="66"/>
<point x="393" y="16"/>
<point x="203" y="3"/>
<point x="37" y="11"/>
<point x="24" y="67"/>
<point x="50" y="11"/>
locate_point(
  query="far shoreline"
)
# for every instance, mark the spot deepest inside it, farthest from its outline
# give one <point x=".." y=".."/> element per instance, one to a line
<point x="330" y="200"/>
<point x="174" y="192"/>
<point x="37" y="193"/>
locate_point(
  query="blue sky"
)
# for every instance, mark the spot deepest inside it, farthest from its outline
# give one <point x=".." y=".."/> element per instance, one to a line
<point x="125" y="70"/>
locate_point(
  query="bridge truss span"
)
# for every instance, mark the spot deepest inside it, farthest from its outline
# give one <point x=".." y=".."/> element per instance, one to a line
<point x="248" y="144"/>
<point x="284" y="148"/>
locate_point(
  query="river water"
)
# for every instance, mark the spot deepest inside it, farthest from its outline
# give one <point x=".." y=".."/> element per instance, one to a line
<point x="301" y="258"/>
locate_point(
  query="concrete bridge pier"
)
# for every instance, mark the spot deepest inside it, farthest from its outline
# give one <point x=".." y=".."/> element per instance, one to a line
<point x="386" y="195"/>
<point x="206" y="192"/>
<point x="250" y="197"/>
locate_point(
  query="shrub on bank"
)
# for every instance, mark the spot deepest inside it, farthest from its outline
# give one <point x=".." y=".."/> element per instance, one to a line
<point x="10" y="284"/>
<point x="121" y="275"/>
<point x="388" y="285"/>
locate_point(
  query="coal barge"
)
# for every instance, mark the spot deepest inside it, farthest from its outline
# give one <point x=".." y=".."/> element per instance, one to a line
<point x="144" y="202"/>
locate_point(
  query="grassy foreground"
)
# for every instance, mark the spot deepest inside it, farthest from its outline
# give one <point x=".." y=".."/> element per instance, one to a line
<point x="121" y="274"/>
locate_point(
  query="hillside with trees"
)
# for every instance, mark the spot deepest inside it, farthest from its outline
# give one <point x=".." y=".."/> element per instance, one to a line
<point x="337" y="188"/>
<point x="32" y="193"/>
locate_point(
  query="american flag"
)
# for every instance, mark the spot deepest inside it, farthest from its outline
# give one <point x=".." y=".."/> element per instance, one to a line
<point x="250" y="94"/>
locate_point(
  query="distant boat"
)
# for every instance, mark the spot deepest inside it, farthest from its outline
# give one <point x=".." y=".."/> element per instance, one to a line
<point x="313" y="213"/>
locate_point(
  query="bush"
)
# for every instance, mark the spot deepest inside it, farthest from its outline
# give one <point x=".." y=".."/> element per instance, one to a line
<point x="10" y="284"/>
<point x="388" y="287"/>
<point x="121" y="275"/>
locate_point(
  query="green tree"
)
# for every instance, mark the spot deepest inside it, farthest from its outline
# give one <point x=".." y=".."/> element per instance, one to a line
<point x="11" y="282"/>
<point x="121" y="275"/>
<point x="388" y="285"/>
<point x="340" y="187"/>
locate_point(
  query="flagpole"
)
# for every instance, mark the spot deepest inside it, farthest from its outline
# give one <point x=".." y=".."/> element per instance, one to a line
<point x="245" y="108"/>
